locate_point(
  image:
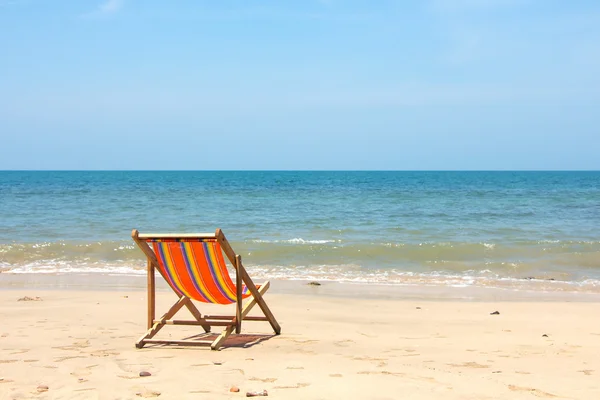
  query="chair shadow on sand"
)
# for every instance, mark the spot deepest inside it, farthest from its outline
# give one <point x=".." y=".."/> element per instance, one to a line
<point x="242" y="340"/>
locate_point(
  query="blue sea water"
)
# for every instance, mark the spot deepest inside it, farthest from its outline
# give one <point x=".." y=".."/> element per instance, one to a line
<point x="510" y="229"/>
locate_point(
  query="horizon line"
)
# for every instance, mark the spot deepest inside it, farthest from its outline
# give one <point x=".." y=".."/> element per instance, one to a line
<point x="299" y="170"/>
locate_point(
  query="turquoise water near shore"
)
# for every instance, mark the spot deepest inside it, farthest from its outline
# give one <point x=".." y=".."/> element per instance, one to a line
<point x="505" y="229"/>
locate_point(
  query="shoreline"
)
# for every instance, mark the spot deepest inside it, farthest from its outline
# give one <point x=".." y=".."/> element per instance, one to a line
<point x="374" y="291"/>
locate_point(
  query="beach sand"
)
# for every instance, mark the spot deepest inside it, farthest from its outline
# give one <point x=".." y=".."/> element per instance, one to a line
<point x="80" y="344"/>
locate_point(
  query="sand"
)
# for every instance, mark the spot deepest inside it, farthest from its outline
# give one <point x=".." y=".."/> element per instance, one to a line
<point x="80" y="344"/>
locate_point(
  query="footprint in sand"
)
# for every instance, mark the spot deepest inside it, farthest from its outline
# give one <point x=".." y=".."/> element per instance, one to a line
<point x="307" y="341"/>
<point x="381" y="362"/>
<point x="104" y="353"/>
<point x="381" y="373"/>
<point x="587" y="371"/>
<point x="470" y="364"/>
<point x="344" y="343"/>
<point x="362" y="358"/>
<point x="147" y="393"/>
<point x="535" y="392"/>
<point x="265" y="380"/>
<point x="61" y="359"/>
<point x="80" y="373"/>
<point x="128" y="377"/>
<point x="296" y="386"/>
<point x="304" y="351"/>
<point x="82" y="344"/>
<point x="367" y="335"/>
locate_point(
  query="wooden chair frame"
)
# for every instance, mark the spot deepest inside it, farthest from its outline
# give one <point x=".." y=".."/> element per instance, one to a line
<point x="230" y="322"/>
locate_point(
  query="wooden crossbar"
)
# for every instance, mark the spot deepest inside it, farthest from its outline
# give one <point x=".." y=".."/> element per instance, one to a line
<point x="229" y="317"/>
<point x="180" y="342"/>
<point x="183" y="236"/>
<point x="187" y="322"/>
<point x="230" y="322"/>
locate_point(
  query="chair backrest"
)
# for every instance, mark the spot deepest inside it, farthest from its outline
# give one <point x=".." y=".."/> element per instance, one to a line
<point x="195" y="267"/>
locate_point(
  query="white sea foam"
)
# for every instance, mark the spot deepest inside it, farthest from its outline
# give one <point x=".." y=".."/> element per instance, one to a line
<point x="63" y="267"/>
<point x="349" y="273"/>
<point x="297" y="241"/>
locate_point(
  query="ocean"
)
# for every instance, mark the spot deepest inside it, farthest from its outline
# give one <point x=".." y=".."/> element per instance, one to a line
<point x="514" y="230"/>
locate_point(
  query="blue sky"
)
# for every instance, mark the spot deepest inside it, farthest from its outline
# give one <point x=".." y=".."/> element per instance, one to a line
<point x="315" y="84"/>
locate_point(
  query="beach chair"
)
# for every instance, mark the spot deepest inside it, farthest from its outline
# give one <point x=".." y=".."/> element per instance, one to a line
<point x="194" y="267"/>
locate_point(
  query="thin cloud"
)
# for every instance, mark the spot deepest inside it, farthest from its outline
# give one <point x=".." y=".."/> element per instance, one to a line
<point x="7" y="3"/>
<point x="108" y="7"/>
<point x="473" y="5"/>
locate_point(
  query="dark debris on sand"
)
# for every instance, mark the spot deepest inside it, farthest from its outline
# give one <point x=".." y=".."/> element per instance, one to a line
<point x="27" y="298"/>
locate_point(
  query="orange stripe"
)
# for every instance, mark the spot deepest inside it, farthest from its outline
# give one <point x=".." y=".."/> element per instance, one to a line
<point x="158" y="250"/>
<point x="222" y="268"/>
<point x="223" y="280"/>
<point x="225" y="273"/>
<point x="209" y="283"/>
<point x="184" y="277"/>
<point x="170" y="251"/>
<point x="205" y="296"/>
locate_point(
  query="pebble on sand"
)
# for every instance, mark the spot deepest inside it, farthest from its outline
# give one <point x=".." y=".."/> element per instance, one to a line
<point x="314" y="283"/>
<point x="145" y="373"/>
<point x="495" y="313"/>
<point x="234" y="389"/>
<point x="254" y="394"/>
<point x="42" y="388"/>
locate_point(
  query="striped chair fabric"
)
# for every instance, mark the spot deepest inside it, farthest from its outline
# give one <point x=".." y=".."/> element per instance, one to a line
<point x="196" y="268"/>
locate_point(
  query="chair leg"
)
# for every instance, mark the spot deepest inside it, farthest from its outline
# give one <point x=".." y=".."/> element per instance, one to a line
<point x="157" y="326"/>
<point x="257" y="295"/>
<point x="149" y="334"/>
<point x="247" y="307"/>
<point x="222" y="337"/>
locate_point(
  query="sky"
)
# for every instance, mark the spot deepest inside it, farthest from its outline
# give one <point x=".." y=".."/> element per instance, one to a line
<point x="301" y="85"/>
